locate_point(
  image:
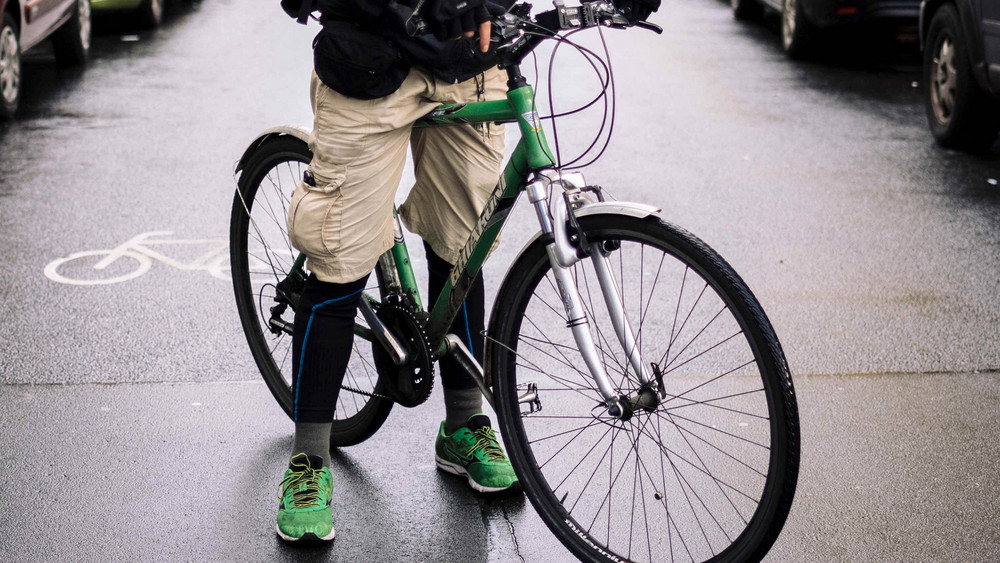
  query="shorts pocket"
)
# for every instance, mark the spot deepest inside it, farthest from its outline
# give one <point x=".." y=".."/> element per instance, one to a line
<point x="314" y="217"/>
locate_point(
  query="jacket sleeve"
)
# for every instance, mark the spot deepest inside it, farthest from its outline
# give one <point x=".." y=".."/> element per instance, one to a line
<point x="364" y="12"/>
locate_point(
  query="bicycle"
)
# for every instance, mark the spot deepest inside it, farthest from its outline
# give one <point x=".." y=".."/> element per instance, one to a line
<point x="641" y="392"/>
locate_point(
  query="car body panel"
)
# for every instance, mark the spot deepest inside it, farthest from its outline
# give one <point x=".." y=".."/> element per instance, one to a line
<point x="114" y="5"/>
<point x="991" y="42"/>
<point x="831" y="13"/>
<point x="38" y="19"/>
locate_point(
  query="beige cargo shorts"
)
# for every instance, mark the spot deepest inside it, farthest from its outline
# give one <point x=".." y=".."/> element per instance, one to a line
<point x="344" y="222"/>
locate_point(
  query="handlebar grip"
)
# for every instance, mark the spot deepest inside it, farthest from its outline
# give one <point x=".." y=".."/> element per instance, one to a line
<point x="416" y="24"/>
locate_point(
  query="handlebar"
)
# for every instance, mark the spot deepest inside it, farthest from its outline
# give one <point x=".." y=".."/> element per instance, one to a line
<point x="514" y="34"/>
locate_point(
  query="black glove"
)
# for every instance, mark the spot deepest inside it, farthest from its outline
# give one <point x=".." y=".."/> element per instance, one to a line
<point x="449" y="19"/>
<point x="637" y="10"/>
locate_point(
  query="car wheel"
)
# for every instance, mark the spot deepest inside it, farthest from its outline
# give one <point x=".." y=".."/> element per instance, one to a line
<point x="748" y="10"/>
<point x="151" y="13"/>
<point x="71" y="43"/>
<point x="960" y="113"/>
<point x="797" y="34"/>
<point x="10" y="67"/>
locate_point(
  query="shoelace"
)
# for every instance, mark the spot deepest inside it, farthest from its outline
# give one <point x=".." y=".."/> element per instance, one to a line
<point x="305" y="497"/>
<point x="486" y="440"/>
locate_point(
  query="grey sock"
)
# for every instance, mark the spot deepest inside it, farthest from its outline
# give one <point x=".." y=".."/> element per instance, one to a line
<point x="313" y="438"/>
<point x="459" y="405"/>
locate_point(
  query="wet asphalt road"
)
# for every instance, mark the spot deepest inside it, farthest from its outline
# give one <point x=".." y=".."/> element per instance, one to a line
<point x="135" y="425"/>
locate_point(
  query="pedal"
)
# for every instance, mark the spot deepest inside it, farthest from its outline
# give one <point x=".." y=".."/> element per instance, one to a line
<point x="277" y="326"/>
<point x="529" y="397"/>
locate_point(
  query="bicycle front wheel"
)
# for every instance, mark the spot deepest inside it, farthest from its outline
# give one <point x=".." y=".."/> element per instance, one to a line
<point x="261" y="259"/>
<point x="707" y="472"/>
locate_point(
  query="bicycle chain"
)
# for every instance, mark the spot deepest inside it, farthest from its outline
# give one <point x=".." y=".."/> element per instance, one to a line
<point x="365" y="393"/>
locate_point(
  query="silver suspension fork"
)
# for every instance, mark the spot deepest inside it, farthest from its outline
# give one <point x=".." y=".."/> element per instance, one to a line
<point x="562" y="256"/>
<point x="616" y="309"/>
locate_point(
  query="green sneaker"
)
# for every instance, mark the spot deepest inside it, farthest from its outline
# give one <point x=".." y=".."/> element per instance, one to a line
<point x="473" y="451"/>
<point x="304" y="510"/>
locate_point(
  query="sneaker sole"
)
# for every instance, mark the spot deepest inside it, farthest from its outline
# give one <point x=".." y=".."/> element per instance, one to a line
<point x="307" y="537"/>
<point x="456" y="469"/>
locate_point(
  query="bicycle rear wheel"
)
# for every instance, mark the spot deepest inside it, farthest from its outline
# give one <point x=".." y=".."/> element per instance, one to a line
<point x="708" y="473"/>
<point x="261" y="258"/>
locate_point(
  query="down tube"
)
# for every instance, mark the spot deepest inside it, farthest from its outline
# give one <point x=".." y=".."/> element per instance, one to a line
<point x="480" y="243"/>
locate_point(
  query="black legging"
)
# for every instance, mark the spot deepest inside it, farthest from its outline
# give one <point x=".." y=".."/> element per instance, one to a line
<point x="468" y="325"/>
<point x="321" y="346"/>
<point x="324" y="334"/>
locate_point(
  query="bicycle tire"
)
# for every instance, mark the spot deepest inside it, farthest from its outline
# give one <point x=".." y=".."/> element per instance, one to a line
<point x="258" y="235"/>
<point x="710" y="474"/>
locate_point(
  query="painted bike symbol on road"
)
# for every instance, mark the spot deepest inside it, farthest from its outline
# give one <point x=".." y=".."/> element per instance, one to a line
<point x="134" y="258"/>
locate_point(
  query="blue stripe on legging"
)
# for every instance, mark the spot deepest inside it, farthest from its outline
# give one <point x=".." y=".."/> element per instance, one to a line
<point x="468" y="333"/>
<point x="305" y="339"/>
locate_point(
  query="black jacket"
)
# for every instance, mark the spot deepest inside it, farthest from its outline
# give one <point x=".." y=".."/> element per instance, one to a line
<point x="452" y="60"/>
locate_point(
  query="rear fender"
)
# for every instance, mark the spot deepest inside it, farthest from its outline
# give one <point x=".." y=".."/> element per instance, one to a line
<point x="296" y="131"/>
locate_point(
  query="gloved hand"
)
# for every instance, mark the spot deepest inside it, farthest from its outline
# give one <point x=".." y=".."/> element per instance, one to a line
<point x="449" y="19"/>
<point x="637" y="10"/>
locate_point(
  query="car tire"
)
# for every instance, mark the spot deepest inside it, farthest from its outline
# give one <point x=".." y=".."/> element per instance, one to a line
<point x="747" y="10"/>
<point x="798" y="35"/>
<point x="151" y="13"/>
<point x="71" y="43"/>
<point x="10" y="66"/>
<point x="961" y="115"/>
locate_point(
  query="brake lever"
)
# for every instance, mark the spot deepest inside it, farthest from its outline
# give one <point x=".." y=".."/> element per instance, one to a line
<point x="649" y="26"/>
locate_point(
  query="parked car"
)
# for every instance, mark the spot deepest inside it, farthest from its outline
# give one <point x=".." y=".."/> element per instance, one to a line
<point x="149" y="13"/>
<point x="802" y="20"/>
<point x="961" y="43"/>
<point x="24" y="24"/>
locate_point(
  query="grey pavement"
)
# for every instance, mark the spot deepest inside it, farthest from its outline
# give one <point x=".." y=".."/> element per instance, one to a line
<point x="895" y="468"/>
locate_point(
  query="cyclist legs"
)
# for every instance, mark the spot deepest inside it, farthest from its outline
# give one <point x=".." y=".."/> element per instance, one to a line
<point x="340" y="217"/>
<point x="456" y="169"/>
<point x="461" y="394"/>
<point x="321" y="348"/>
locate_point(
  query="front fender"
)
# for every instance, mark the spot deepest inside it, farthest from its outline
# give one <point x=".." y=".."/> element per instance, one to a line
<point x="628" y="208"/>
<point x="297" y="131"/>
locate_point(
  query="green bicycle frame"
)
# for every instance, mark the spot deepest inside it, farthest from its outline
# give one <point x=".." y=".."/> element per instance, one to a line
<point x="531" y="153"/>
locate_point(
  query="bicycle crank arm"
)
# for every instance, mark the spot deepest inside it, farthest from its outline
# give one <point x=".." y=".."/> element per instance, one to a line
<point x="468" y="362"/>
<point x="382" y="334"/>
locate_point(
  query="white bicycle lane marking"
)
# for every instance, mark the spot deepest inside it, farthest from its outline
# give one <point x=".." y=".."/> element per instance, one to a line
<point x="137" y="250"/>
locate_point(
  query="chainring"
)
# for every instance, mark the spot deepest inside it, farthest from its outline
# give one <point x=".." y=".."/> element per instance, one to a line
<point x="409" y="384"/>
